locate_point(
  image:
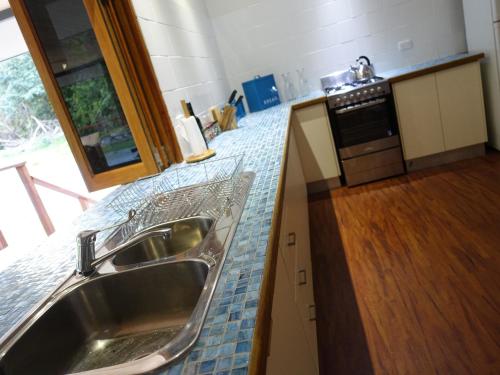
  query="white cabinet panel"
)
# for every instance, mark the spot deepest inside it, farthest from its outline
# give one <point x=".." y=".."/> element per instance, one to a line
<point x="294" y="274"/>
<point x="462" y="106"/>
<point x="419" y="116"/>
<point x="288" y="349"/>
<point x="299" y="245"/>
<point x="495" y="6"/>
<point x="315" y="143"/>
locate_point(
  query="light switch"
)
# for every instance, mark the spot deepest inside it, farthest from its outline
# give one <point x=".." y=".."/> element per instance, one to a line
<point x="405" y="44"/>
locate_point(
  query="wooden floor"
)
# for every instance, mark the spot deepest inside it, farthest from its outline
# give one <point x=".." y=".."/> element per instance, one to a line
<point x="407" y="273"/>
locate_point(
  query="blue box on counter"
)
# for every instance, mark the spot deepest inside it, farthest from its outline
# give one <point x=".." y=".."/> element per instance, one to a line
<point x="261" y="93"/>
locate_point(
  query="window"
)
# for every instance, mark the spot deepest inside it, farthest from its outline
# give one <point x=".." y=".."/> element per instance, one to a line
<point x="101" y="83"/>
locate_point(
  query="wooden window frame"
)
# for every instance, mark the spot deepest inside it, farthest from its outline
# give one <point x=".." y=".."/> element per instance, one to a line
<point x="120" y="39"/>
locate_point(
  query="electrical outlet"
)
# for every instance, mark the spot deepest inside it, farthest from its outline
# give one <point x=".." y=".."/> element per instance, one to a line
<point x="405" y="44"/>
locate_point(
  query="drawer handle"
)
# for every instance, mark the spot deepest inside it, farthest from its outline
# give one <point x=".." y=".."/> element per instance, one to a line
<point x="312" y="313"/>
<point x="292" y="239"/>
<point x="302" y="277"/>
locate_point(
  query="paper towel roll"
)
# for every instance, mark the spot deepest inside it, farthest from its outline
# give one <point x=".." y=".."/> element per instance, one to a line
<point x="182" y="137"/>
<point x="194" y="136"/>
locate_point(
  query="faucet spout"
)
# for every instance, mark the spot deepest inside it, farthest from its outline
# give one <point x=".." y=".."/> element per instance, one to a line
<point x="85" y="246"/>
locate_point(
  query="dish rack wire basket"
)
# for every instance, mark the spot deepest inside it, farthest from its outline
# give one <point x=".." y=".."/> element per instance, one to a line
<point x="203" y="189"/>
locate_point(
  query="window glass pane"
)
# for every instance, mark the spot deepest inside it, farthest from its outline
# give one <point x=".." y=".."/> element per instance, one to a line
<point x="78" y="65"/>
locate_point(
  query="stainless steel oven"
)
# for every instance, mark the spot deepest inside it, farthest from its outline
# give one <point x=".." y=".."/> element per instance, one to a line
<point x="365" y="129"/>
<point x="365" y="122"/>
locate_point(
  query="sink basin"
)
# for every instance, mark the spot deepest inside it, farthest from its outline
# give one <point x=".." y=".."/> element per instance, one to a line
<point x="109" y="320"/>
<point x="185" y="234"/>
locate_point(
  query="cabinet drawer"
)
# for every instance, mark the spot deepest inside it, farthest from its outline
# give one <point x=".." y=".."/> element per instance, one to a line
<point x="373" y="167"/>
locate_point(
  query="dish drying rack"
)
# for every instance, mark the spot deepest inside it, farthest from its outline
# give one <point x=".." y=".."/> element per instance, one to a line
<point x="203" y="189"/>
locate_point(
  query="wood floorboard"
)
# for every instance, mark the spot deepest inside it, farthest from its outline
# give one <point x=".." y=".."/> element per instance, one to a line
<point x="407" y="273"/>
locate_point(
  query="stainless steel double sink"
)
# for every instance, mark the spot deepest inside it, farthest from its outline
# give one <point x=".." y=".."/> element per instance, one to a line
<point x="139" y="311"/>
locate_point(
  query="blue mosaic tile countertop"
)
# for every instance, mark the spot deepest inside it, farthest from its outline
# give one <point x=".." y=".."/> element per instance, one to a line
<point x="226" y="339"/>
<point x="396" y="73"/>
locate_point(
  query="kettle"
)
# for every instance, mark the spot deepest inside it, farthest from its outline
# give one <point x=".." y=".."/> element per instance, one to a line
<point x="364" y="70"/>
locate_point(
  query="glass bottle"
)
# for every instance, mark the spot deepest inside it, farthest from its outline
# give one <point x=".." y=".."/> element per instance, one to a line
<point x="289" y="87"/>
<point x="304" y="87"/>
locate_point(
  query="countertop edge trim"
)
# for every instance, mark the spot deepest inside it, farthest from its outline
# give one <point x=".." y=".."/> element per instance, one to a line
<point x="437" y="68"/>
<point x="308" y="103"/>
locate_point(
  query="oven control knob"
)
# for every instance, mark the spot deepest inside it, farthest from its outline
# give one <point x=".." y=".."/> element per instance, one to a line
<point x="358" y="94"/>
<point x="351" y="96"/>
<point x="365" y="92"/>
<point x="372" y="91"/>
<point x="338" y="100"/>
<point x="379" y="89"/>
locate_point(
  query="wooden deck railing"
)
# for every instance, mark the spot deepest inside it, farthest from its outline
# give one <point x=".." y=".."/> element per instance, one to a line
<point x="30" y="183"/>
<point x="3" y="241"/>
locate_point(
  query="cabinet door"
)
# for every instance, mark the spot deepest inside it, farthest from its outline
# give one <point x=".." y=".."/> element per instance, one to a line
<point x="462" y="107"/>
<point x="304" y="290"/>
<point x="288" y="253"/>
<point x="291" y="225"/>
<point x="419" y="117"/>
<point x="315" y="143"/>
<point x="288" y="351"/>
<point x="288" y="250"/>
<point x="295" y="220"/>
<point x="297" y="252"/>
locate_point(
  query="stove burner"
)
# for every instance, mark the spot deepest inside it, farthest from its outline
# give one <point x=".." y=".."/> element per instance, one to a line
<point x="370" y="80"/>
<point x="352" y="85"/>
<point x="347" y="85"/>
<point x="346" y="94"/>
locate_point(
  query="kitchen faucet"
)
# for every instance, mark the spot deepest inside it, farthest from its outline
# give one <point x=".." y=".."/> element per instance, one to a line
<point x="86" y="261"/>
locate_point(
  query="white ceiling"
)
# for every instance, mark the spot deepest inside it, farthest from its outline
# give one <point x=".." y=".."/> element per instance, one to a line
<point x="4" y="4"/>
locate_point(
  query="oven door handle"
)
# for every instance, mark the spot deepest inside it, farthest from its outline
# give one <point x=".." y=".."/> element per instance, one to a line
<point x="360" y="106"/>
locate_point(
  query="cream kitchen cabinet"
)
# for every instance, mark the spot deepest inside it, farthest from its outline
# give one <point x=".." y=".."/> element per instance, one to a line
<point x="293" y="343"/>
<point x="296" y="250"/>
<point x="441" y="111"/>
<point x="419" y="116"/>
<point x="288" y="350"/>
<point x="462" y="106"/>
<point x="315" y="143"/>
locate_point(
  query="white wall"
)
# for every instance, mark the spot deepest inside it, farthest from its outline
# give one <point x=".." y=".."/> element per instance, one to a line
<point x="181" y="42"/>
<point x="14" y="44"/>
<point x="276" y="36"/>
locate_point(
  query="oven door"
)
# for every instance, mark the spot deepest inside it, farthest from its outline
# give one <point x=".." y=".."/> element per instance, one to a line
<point x="365" y="122"/>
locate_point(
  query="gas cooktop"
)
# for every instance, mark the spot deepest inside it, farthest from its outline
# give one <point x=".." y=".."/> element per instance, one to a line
<point x="341" y="94"/>
<point x="347" y="86"/>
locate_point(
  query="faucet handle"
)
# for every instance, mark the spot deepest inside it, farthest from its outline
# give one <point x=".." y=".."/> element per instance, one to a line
<point x="86" y="237"/>
<point x="85" y="255"/>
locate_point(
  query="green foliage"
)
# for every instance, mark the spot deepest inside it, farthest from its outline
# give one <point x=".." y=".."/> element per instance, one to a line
<point x="90" y="102"/>
<point x="20" y="85"/>
<point x="22" y="97"/>
<point x="26" y="113"/>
